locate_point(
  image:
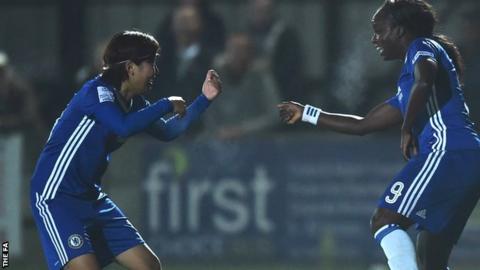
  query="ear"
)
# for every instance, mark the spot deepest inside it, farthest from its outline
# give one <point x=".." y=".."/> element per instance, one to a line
<point x="129" y="66"/>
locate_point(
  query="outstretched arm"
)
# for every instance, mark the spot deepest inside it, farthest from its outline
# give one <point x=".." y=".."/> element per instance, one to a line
<point x="380" y="117"/>
<point x="167" y="130"/>
<point x="125" y="125"/>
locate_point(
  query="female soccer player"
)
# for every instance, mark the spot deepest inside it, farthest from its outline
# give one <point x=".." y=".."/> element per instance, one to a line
<point x="80" y="226"/>
<point x="440" y="185"/>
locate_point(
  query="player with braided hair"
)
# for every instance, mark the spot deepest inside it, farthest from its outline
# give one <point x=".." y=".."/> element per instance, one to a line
<point x="440" y="185"/>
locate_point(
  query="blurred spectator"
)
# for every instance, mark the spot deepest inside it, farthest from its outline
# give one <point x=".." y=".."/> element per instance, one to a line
<point x="18" y="104"/>
<point x="213" y="32"/>
<point x="249" y="98"/>
<point x="93" y="68"/>
<point x="470" y="38"/>
<point x="279" y="44"/>
<point x="182" y="67"/>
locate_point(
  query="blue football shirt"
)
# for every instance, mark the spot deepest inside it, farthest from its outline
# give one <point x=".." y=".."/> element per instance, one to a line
<point x="444" y="124"/>
<point x="92" y="126"/>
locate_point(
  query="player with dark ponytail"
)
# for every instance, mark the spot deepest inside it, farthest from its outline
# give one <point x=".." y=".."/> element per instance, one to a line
<point x="440" y="185"/>
<point x="80" y="227"/>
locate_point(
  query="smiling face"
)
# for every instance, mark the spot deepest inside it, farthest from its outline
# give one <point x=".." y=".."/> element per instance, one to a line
<point x="129" y="62"/>
<point x="141" y="76"/>
<point x="386" y="37"/>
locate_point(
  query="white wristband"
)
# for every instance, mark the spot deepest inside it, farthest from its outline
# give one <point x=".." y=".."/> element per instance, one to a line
<point x="311" y="114"/>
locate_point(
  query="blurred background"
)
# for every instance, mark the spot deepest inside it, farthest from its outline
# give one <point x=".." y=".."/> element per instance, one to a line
<point x="239" y="190"/>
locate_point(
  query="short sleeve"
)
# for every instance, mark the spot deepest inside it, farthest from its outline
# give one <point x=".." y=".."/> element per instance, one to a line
<point x="393" y="101"/>
<point x="422" y="49"/>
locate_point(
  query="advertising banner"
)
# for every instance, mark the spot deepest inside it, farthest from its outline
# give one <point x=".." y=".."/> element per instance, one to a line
<point x="299" y="198"/>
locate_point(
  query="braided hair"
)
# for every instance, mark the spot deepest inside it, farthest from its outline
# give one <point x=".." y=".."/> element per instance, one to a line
<point x="419" y="18"/>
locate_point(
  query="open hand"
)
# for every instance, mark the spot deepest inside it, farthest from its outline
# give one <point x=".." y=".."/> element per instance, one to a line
<point x="212" y="86"/>
<point x="179" y="106"/>
<point x="290" y="111"/>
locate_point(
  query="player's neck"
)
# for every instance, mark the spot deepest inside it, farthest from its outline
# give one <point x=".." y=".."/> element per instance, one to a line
<point x="125" y="92"/>
<point x="405" y="42"/>
<point x="125" y="104"/>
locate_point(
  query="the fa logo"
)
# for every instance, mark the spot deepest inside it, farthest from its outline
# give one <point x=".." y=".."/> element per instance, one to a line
<point x="5" y="256"/>
<point x="75" y="241"/>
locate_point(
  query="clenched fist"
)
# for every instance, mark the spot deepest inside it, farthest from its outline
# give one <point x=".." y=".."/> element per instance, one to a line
<point x="179" y="106"/>
<point x="212" y="86"/>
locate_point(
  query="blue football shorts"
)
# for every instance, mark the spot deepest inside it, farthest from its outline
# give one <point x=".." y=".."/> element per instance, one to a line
<point x="70" y="227"/>
<point x="438" y="191"/>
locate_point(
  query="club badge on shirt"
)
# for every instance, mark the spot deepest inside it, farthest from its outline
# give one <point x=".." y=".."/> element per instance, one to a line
<point x="105" y="94"/>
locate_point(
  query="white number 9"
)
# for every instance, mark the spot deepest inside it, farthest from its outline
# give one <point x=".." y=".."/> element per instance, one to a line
<point x="396" y="190"/>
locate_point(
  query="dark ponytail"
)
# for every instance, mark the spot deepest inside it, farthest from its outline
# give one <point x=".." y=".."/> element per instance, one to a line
<point x="454" y="53"/>
<point x="419" y="18"/>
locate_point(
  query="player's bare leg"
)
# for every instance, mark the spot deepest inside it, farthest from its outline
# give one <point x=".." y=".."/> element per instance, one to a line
<point x="433" y="251"/>
<point x="382" y="217"/>
<point x="388" y="228"/>
<point x="140" y="257"/>
<point x="83" y="262"/>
